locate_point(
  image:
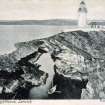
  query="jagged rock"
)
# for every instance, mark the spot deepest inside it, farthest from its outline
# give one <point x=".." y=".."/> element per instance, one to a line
<point x="102" y="95"/>
<point x="75" y="53"/>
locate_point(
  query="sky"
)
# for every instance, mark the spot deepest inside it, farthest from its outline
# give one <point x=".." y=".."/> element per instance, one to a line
<point x="48" y="9"/>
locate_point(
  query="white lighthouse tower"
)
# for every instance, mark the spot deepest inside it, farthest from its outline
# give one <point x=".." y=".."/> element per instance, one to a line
<point x="82" y="14"/>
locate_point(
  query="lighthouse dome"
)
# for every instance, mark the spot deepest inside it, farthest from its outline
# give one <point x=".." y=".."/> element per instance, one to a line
<point x="82" y="3"/>
<point x="82" y="7"/>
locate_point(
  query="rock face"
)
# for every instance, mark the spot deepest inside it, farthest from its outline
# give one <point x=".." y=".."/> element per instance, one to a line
<point x="67" y="87"/>
<point x="76" y="54"/>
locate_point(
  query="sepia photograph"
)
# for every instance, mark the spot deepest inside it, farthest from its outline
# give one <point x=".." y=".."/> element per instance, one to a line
<point x="52" y="50"/>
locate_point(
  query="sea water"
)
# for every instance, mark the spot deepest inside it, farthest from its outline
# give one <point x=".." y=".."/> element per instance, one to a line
<point x="11" y="34"/>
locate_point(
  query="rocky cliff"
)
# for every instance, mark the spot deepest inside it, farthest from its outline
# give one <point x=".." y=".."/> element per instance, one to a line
<point x="77" y="51"/>
<point x="89" y="44"/>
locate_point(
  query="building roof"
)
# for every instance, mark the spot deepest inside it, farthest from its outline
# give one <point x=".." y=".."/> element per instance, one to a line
<point x="97" y="23"/>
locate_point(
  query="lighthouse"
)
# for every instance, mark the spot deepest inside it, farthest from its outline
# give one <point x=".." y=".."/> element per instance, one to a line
<point x="82" y="14"/>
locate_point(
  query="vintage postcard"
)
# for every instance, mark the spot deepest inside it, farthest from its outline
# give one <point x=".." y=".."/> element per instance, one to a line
<point x="52" y="51"/>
